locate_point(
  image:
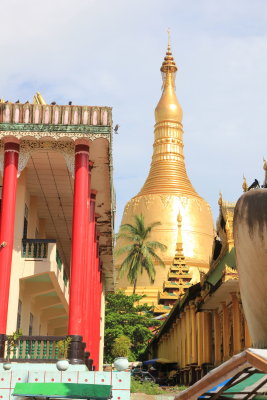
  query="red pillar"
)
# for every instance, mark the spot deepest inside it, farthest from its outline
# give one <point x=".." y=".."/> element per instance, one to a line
<point x="76" y="309"/>
<point x="93" y="299"/>
<point x="97" y="308"/>
<point x="89" y="286"/>
<point x="86" y="281"/>
<point x="8" y="210"/>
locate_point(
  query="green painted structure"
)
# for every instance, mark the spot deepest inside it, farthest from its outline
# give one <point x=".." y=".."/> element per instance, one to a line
<point x="63" y="390"/>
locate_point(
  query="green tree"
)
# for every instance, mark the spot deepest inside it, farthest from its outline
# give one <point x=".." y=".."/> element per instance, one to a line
<point x="125" y="317"/>
<point x="141" y="252"/>
<point x="121" y="347"/>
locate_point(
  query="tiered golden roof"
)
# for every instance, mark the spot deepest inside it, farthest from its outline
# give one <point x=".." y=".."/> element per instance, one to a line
<point x="178" y="277"/>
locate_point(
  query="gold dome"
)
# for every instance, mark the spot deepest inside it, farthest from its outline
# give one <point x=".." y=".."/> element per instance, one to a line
<point x="168" y="192"/>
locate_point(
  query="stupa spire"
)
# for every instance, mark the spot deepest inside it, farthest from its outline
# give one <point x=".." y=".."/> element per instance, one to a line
<point x="167" y="172"/>
<point x="168" y="64"/>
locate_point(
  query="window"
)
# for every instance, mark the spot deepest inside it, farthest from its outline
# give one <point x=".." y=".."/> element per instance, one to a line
<point x="31" y="324"/>
<point x="19" y="315"/>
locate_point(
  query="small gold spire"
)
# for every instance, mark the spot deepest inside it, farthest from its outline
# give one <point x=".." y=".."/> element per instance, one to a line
<point x="2" y="100"/>
<point x="244" y="185"/>
<point x="264" y="164"/>
<point x="38" y="99"/>
<point x="220" y="201"/>
<point x="179" y="244"/>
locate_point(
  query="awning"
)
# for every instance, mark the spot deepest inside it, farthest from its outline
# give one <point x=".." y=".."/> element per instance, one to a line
<point x="63" y="390"/>
<point x="160" y="361"/>
<point x="238" y="387"/>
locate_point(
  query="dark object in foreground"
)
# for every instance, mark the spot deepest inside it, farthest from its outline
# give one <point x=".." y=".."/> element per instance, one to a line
<point x="143" y="376"/>
<point x="254" y="185"/>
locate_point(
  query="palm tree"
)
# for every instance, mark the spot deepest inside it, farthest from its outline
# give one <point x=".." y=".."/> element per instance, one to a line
<point x="141" y="252"/>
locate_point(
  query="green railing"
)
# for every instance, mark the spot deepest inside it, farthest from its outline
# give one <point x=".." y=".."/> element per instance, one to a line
<point x="65" y="278"/>
<point x="42" y="349"/>
<point x="35" y="248"/>
<point x="34" y="348"/>
<point x="38" y="248"/>
<point x="58" y="260"/>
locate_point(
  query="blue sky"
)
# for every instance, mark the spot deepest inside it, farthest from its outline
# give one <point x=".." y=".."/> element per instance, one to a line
<point x="108" y="52"/>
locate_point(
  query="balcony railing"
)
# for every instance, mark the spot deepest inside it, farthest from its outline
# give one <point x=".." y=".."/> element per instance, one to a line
<point x="42" y="349"/>
<point x="35" y="248"/>
<point x="44" y="250"/>
<point x="34" y="348"/>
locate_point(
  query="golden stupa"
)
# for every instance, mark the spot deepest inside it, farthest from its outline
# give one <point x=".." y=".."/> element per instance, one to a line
<point x="167" y="192"/>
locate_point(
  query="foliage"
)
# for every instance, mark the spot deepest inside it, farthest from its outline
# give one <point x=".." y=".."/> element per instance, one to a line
<point x="121" y="346"/>
<point x="145" y="387"/>
<point x="140" y="252"/>
<point x="63" y="347"/>
<point x="125" y="317"/>
<point x="153" y="388"/>
<point x="12" y="341"/>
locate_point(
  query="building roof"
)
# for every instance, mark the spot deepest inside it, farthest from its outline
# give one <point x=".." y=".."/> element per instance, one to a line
<point x="216" y="274"/>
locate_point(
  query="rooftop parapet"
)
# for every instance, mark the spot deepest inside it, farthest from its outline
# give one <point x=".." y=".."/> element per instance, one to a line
<point x="55" y="114"/>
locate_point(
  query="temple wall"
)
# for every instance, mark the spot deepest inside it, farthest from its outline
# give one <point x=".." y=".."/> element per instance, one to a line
<point x="199" y="340"/>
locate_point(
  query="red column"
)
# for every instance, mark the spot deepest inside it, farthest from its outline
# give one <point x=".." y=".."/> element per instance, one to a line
<point x="97" y="309"/>
<point x="11" y="156"/>
<point x="76" y="309"/>
<point x="90" y="287"/>
<point x="93" y="300"/>
<point x="86" y="281"/>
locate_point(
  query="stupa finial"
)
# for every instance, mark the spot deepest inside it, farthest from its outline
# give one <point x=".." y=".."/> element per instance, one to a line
<point x="168" y="64"/>
<point x="244" y="185"/>
<point x="169" y="38"/>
